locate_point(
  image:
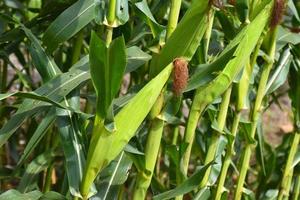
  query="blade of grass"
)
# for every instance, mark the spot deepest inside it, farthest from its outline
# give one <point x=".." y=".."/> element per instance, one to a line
<point x="38" y="135"/>
<point x="39" y="164"/>
<point x="68" y="23"/>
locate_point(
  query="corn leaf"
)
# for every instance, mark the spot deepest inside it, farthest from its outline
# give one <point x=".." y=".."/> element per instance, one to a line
<point x="247" y="40"/>
<point x="145" y="14"/>
<point x="39" y="164"/>
<point x="106" y="70"/>
<point x="187" y="186"/>
<point x="100" y="153"/>
<point x="41" y="60"/>
<point x="16" y="195"/>
<point x="55" y="90"/>
<point x="185" y="39"/>
<point x="69" y="23"/>
<point x="41" y="130"/>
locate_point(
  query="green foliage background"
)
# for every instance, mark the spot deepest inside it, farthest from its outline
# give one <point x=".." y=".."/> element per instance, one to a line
<point x="87" y="108"/>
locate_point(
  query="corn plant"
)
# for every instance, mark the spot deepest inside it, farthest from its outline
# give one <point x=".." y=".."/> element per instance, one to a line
<point x="149" y="99"/>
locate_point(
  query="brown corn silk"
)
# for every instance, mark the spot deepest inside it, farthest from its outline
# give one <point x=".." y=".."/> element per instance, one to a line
<point x="277" y="13"/>
<point x="180" y="75"/>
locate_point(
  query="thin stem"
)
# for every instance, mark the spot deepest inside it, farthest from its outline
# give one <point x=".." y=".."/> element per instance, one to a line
<point x="99" y="119"/>
<point x="227" y="158"/>
<point x="152" y="147"/>
<point x="288" y="171"/>
<point x="175" y="135"/>
<point x="196" y="110"/>
<point x="77" y="47"/>
<point x="156" y="129"/>
<point x="3" y="77"/>
<point x="3" y="80"/>
<point x="110" y="19"/>
<point x="296" y="188"/>
<point x="48" y="180"/>
<point x="211" y="153"/>
<point x="109" y="34"/>
<point x="111" y="12"/>
<point x="192" y="123"/>
<point x="256" y="114"/>
<point x="173" y="17"/>
<point x="243" y="88"/>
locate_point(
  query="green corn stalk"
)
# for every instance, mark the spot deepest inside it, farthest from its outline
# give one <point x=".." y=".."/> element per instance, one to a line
<point x="289" y="168"/>
<point x="152" y="147"/>
<point x="99" y="118"/>
<point x="101" y="152"/>
<point x="110" y="19"/>
<point x="296" y="188"/>
<point x="173" y="17"/>
<point x="243" y="87"/>
<point x="288" y="171"/>
<point x="256" y="112"/>
<point x="194" y="113"/>
<point x="205" y="95"/>
<point x="221" y="121"/>
<point x="156" y="125"/>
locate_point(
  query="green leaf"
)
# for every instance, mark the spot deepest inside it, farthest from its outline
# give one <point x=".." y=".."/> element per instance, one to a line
<point x="242" y="8"/>
<point x="271" y="194"/>
<point x="296" y="160"/>
<point x="60" y="86"/>
<point x="14" y="4"/>
<point x="56" y="90"/>
<point x="39" y="164"/>
<point x="52" y="195"/>
<point x="16" y="195"/>
<point x="130" y="149"/>
<point x="246" y="132"/>
<point x="207" y="72"/>
<point x="135" y="58"/>
<point x="100" y="153"/>
<point x="217" y="165"/>
<point x="43" y="63"/>
<point x="260" y="146"/>
<point x="39" y="133"/>
<point x="185" y="39"/>
<point x="115" y="174"/>
<point x="122" y="15"/>
<point x="294" y="93"/>
<point x="68" y="23"/>
<point x="33" y="96"/>
<point x="188" y="185"/>
<point x="246" y="41"/>
<point x="73" y="150"/>
<point x="286" y="36"/>
<point x="100" y="11"/>
<point x="106" y="71"/>
<point x="282" y="67"/>
<point x="145" y="13"/>
<point x="293" y="8"/>
<point x="227" y="23"/>
<point x="203" y="194"/>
